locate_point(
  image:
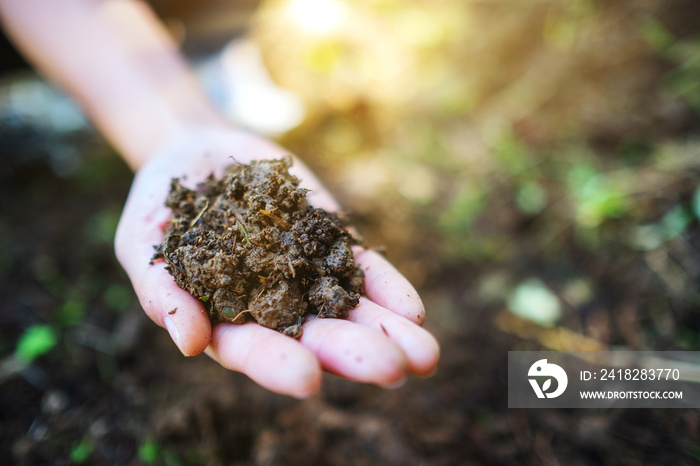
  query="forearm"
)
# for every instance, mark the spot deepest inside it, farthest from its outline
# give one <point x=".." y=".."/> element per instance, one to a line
<point x="117" y="60"/>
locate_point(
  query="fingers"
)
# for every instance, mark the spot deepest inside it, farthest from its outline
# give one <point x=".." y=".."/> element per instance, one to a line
<point x="378" y="345"/>
<point x="354" y="352"/>
<point x="357" y="352"/>
<point x="387" y="287"/>
<point x="165" y="303"/>
<point x="272" y="360"/>
<point x="420" y="348"/>
<point x="174" y="309"/>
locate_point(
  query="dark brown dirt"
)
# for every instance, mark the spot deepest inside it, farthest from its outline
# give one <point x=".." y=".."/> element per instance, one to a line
<point x="115" y="388"/>
<point x="116" y="391"/>
<point x="249" y="245"/>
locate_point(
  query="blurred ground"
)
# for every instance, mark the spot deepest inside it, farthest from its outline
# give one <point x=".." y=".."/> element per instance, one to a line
<point x="532" y="166"/>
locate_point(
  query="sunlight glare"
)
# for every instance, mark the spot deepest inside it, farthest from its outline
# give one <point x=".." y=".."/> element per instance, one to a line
<point x="318" y="16"/>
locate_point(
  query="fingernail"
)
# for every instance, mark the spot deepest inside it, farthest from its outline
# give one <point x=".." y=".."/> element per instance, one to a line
<point x="174" y="333"/>
<point x="303" y="395"/>
<point x="395" y="385"/>
<point x="429" y="374"/>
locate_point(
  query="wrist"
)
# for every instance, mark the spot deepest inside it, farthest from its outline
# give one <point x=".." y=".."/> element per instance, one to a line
<point x="140" y="129"/>
<point x="167" y="136"/>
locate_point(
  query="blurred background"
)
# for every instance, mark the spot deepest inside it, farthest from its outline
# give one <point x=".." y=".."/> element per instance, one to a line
<point x="532" y="166"/>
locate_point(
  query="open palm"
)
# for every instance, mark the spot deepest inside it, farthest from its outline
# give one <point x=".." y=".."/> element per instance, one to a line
<point x="379" y="343"/>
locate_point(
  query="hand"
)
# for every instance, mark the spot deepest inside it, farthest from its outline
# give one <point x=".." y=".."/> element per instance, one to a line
<point x="380" y="342"/>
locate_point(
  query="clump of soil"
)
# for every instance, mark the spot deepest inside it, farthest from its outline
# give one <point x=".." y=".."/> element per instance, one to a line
<point x="250" y="246"/>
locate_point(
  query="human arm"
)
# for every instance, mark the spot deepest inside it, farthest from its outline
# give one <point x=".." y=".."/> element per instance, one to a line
<point x="117" y="60"/>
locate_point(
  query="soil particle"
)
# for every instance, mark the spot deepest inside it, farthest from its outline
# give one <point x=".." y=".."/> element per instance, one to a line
<point x="249" y="245"/>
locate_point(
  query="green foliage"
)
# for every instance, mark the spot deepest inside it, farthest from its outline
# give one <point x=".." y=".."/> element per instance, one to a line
<point x="103" y="225"/>
<point x="596" y="196"/>
<point x="464" y="209"/>
<point x="656" y="35"/>
<point x="54" y="282"/>
<point x="70" y="313"/>
<point x="36" y="341"/>
<point x="684" y="80"/>
<point x="672" y="224"/>
<point x="687" y="339"/>
<point x="82" y="451"/>
<point x="513" y="155"/>
<point x="529" y="108"/>
<point x="118" y="297"/>
<point x="635" y="152"/>
<point x="675" y="222"/>
<point x="531" y="198"/>
<point x="149" y="451"/>
<point x="171" y="458"/>
<point x="696" y="203"/>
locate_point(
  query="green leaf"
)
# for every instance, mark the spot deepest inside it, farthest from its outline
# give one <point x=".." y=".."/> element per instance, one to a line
<point x="204" y="299"/>
<point x="597" y="196"/>
<point x="36" y="341"/>
<point x="71" y="313"/>
<point x="149" y="451"/>
<point x="657" y="36"/>
<point x="82" y="451"/>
